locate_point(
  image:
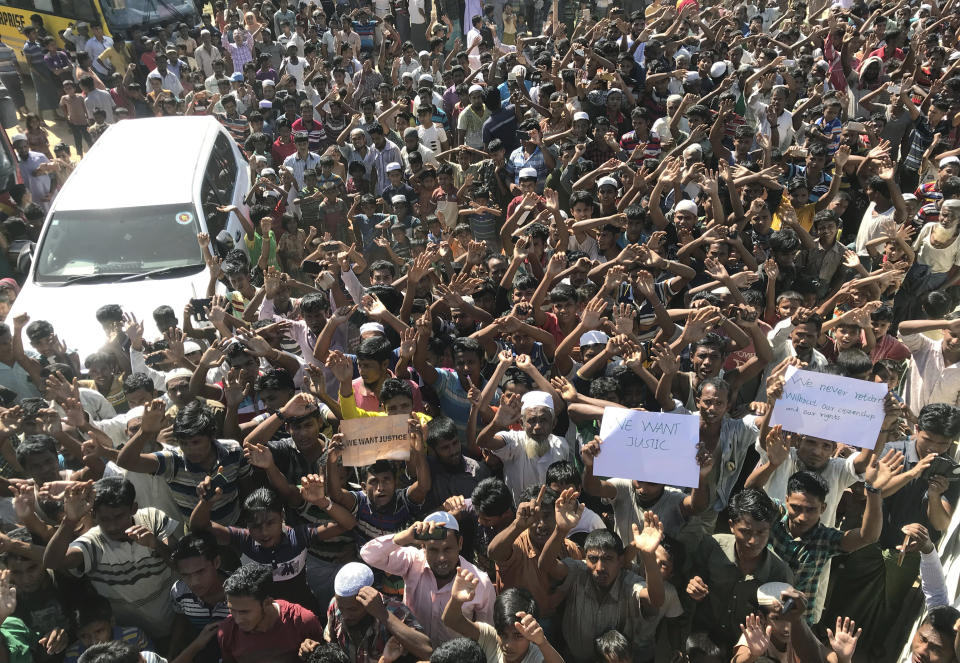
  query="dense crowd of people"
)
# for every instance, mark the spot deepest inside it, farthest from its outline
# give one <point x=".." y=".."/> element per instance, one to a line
<point x="498" y="221"/>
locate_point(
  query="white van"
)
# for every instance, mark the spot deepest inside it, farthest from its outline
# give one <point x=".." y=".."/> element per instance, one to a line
<point x="123" y="229"/>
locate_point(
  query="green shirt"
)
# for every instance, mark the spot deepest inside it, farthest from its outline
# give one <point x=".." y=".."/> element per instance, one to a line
<point x="255" y="247"/>
<point x="17" y="638"/>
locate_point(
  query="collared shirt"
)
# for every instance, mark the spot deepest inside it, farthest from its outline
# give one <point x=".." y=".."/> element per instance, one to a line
<point x="590" y="611"/>
<point x="520" y="570"/>
<point x="779" y="338"/>
<point x="381" y="159"/>
<point x="519" y="160"/>
<point x="930" y="379"/>
<point x="205" y="57"/>
<point x="839" y="474"/>
<point x="94" y="47"/>
<point x="519" y="470"/>
<point x="38" y="184"/>
<point x="366" y="399"/>
<point x="627" y="510"/>
<point x="170" y="81"/>
<point x="807" y="554"/>
<point x="420" y="591"/>
<point x="455" y="404"/>
<point x="371" y="644"/>
<point x="874" y="224"/>
<point x="733" y="594"/>
<point x="821" y="263"/>
<point x="99" y="100"/>
<point x="242" y="54"/>
<point x="298" y="165"/>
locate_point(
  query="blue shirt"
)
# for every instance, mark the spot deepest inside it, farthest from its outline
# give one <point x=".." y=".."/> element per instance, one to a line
<point x="502" y="125"/>
<point x="518" y="160"/>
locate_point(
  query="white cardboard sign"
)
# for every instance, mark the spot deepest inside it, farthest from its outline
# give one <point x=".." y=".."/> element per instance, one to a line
<point x="831" y="407"/>
<point x="649" y="446"/>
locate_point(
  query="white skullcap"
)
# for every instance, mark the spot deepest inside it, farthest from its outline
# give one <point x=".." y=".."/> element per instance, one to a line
<point x="204" y="32"/>
<point x="687" y="206"/>
<point x="580" y="115"/>
<point x="268" y="82"/>
<point x="135" y="412"/>
<point x="19" y="138"/>
<point x="351" y="577"/>
<point x="189" y="347"/>
<point x="178" y="374"/>
<point x="691" y="77"/>
<point x="607" y="181"/>
<point x="946" y="161"/>
<point x="397" y="199"/>
<point x="593" y="338"/>
<point x="674" y="99"/>
<point x="718" y="69"/>
<point x="908" y="197"/>
<point x="475" y="88"/>
<point x="533" y="399"/>
<point x="367" y="327"/>
<point x="443" y="519"/>
<point x="518" y="72"/>
<point x="358" y="132"/>
<point x="530" y="173"/>
<point x="769" y="592"/>
<point x="392" y="166"/>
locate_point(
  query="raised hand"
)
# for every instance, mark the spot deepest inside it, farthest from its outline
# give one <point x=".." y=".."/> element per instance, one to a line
<point x="258" y="455"/>
<point x="530" y="629"/>
<point x="568" y="510"/>
<point x="78" y="500"/>
<point x="340" y="366"/>
<point x="757" y="637"/>
<point x="464" y="586"/>
<point x="152" y="421"/>
<point x="697" y="589"/>
<point x="881" y="472"/>
<point x="565" y="388"/>
<point x="778" y="449"/>
<point x="8" y="595"/>
<point x="142" y="536"/>
<point x="843" y="641"/>
<point x="372" y="602"/>
<point x="648" y="540"/>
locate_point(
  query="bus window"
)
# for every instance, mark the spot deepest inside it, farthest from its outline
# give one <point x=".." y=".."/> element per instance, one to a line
<point x="126" y="14"/>
<point x="80" y="10"/>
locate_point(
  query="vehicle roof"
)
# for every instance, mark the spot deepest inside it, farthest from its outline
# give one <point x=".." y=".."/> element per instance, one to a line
<point x="148" y="161"/>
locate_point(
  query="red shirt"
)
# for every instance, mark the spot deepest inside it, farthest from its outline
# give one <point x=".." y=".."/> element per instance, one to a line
<point x="281" y="151"/>
<point x="280" y="644"/>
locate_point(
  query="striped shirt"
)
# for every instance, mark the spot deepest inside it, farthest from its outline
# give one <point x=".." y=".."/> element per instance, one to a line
<point x="134" y="579"/>
<point x="298" y="165"/>
<point x="238" y="127"/>
<point x="371" y="524"/>
<point x="651" y="145"/>
<point x="191" y="606"/>
<point x="184" y="477"/>
<point x="288" y="559"/>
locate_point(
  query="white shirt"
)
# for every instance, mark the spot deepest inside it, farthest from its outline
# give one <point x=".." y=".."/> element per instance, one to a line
<point x="874" y="224"/>
<point x="929" y="379"/>
<point x="940" y="260"/>
<point x="433" y="137"/>
<point x="519" y="470"/>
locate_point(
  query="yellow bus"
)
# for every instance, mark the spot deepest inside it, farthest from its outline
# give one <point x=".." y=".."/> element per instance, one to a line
<point x="118" y="17"/>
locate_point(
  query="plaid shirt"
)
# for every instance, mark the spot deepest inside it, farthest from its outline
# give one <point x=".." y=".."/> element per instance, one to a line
<point x="807" y="555"/>
<point x="518" y="160"/>
<point x="374" y="639"/>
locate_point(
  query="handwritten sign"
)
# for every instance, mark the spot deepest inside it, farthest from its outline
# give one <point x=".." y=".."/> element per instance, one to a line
<point x="831" y="407"/>
<point x="369" y="439"/>
<point x="649" y="446"/>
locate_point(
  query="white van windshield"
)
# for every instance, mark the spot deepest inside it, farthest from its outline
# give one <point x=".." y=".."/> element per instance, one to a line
<point x="121" y="243"/>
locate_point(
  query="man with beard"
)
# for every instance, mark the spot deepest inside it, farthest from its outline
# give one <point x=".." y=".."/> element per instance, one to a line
<point x="428" y="572"/>
<point x="362" y="620"/>
<point x="527" y="453"/>
<point x="797" y="336"/>
<point x="516" y="549"/>
<point x="451" y="473"/>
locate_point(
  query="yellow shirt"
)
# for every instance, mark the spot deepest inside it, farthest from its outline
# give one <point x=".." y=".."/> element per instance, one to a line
<point x="118" y="61"/>
<point x="349" y="410"/>
<point x="804" y="215"/>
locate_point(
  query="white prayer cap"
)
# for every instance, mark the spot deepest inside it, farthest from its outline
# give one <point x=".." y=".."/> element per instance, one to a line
<point x="769" y="592"/>
<point x="178" y="374"/>
<point x="528" y="173"/>
<point x="204" y="32"/>
<point x="593" y="338"/>
<point x="189" y="347"/>
<point x="444" y="519"/>
<point x="687" y="206"/>
<point x="946" y="161"/>
<point x="533" y="399"/>
<point x="371" y="327"/>
<point x="351" y="577"/>
<point x="718" y="69"/>
<point x="580" y="115"/>
<point x="908" y="197"/>
<point x="397" y="199"/>
<point x="475" y="88"/>
<point x="606" y="181"/>
<point x="392" y="166"/>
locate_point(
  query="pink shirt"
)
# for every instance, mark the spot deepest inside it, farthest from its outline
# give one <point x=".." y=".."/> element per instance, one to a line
<point x="420" y="592"/>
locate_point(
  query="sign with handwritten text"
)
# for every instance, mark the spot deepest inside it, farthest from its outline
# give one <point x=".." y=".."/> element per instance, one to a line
<point x="831" y="407"/>
<point x="369" y="439"/>
<point x="649" y="446"/>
